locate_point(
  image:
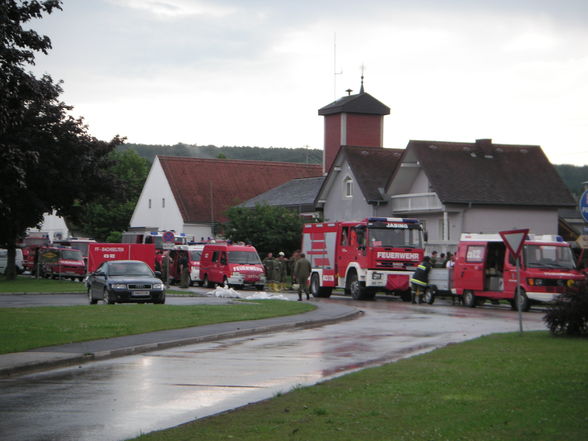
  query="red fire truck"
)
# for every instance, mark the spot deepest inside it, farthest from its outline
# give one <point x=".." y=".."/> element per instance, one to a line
<point x="363" y="257"/>
<point x="486" y="270"/>
<point x="102" y="252"/>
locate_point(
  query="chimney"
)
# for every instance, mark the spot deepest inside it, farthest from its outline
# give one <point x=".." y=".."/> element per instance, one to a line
<point x="484" y="148"/>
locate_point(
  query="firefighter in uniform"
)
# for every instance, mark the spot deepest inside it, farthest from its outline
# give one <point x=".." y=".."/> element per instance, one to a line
<point x="420" y="280"/>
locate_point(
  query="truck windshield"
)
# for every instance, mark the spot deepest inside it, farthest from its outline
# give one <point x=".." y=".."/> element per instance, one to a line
<point x="549" y="256"/>
<point x="71" y="255"/>
<point x="395" y="237"/>
<point x="247" y="257"/>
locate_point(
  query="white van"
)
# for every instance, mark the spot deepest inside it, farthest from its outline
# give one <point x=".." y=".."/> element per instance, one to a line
<point x="18" y="260"/>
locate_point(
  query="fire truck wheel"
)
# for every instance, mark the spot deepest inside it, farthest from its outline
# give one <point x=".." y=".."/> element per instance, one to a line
<point x="207" y="283"/>
<point x="469" y="299"/>
<point x="358" y="292"/>
<point x="523" y="300"/>
<point x="316" y="289"/>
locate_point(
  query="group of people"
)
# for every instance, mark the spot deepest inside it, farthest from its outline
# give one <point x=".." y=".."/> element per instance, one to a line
<point x="278" y="269"/>
<point x="420" y="278"/>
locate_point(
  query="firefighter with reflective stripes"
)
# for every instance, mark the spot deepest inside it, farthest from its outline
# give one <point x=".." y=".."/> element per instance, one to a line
<point x="420" y="280"/>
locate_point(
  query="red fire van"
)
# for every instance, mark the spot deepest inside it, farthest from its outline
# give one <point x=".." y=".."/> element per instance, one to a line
<point x="234" y="265"/>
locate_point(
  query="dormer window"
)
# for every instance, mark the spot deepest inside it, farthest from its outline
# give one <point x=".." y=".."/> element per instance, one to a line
<point x="348" y="187"/>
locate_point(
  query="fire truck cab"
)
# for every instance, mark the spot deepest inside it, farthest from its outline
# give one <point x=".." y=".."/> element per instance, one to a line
<point x="363" y="257"/>
<point x="485" y="269"/>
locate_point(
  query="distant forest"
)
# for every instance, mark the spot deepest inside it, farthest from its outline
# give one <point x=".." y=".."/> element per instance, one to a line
<point x="572" y="175"/>
<point x="274" y="154"/>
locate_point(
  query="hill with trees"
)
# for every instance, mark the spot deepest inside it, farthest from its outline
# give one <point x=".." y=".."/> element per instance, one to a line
<point x="278" y="154"/>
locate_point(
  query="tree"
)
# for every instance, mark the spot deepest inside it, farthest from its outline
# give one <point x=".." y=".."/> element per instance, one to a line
<point x="109" y="215"/>
<point x="268" y="228"/>
<point x="48" y="160"/>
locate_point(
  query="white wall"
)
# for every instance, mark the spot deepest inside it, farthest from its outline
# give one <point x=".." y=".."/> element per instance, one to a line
<point x="420" y="184"/>
<point x="156" y="189"/>
<point x="197" y="231"/>
<point x="338" y="207"/>
<point x="495" y="219"/>
<point x="53" y="225"/>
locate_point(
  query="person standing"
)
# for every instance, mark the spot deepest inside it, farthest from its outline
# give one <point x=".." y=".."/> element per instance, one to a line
<point x="184" y="271"/>
<point x="268" y="265"/>
<point x="165" y="263"/>
<point x="302" y="270"/>
<point x="276" y="274"/>
<point x="291" y="262"/>
<point x="420" y="279"/>
<point x="283" y="270"/>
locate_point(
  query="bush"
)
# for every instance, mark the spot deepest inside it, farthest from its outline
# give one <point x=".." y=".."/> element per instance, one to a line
<point x="568" y="314"/>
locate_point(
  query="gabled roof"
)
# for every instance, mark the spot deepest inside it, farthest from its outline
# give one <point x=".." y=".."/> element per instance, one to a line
<point x="494" y="174"/>
<point x="196" y="181"/>
<point x="294" y="193"/>
<point x="362" y="103"/>
<point x="371" y="167"/>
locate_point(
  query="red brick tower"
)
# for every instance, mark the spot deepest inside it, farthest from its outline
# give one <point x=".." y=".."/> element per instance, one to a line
<point x="352" y="120"/>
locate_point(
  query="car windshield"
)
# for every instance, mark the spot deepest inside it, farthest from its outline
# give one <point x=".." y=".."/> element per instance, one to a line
<point x="247" y="257"/>
<point x="549" y="256"/>
<point x="395" y="237"/>
<point x="195" y="255"/>
<point x="129" y="269"/>
<point x="71" y="255"/>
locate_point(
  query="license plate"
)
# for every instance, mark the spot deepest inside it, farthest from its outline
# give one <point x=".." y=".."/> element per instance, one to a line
<point x="140" y="293"/>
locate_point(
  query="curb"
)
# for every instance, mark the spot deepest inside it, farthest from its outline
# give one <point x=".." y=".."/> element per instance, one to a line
<point x="78" y="359"/>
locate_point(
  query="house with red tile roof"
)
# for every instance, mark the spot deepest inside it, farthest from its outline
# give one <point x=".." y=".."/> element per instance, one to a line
<point x="191" y="195"/>
<point x="479" y="187"/>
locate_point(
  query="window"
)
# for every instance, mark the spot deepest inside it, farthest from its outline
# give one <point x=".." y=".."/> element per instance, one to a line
<point x="475" y="253"/>
<point x="348" y="187"/>
<point x="162" y="202"/>
<point x="149" y="203"/>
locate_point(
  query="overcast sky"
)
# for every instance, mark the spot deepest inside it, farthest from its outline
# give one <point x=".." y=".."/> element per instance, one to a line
<point x="255" y="72"/>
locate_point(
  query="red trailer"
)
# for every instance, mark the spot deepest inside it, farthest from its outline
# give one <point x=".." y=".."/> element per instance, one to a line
<point x="102" y="252"/>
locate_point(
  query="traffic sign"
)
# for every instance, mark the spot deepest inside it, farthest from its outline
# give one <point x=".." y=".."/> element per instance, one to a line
<point x="168" y="236"/>
<point x="583" y="205"/>
<point x="514" y="240"/>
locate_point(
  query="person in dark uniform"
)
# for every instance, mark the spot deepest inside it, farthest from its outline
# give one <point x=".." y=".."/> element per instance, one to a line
<point x="420" y="279"/>
<point x="184" y="270"/>
<point x="302" y="270"/>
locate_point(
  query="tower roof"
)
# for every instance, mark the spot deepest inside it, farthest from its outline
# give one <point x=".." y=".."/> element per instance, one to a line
<point x="362" y="103"/>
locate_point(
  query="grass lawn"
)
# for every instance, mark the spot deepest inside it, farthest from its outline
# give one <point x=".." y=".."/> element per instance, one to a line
<point x="27" y="328"/>
<point x="30" y="284"/>
<point x="501" y="387"/>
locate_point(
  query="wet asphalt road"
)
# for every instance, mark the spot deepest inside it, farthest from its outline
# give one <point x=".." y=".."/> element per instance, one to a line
<point x="121" y="398"/>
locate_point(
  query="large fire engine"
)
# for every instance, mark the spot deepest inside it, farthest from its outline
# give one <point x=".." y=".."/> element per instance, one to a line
<point x="363" y="257"/>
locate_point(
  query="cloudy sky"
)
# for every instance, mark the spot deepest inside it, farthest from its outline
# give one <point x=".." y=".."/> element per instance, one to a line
<point x="255" y="72"/>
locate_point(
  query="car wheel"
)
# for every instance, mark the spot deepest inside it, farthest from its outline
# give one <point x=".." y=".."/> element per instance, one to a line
<point x="160" y="300"/>
<point x="469" y="299"/>
<point x="91" y="299"/>
<point x="109" y="298"/>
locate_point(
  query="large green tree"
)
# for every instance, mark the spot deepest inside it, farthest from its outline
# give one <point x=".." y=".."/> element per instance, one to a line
<point x="268" y="228"/>
<point x="111" y="213"/>
<point x="48" y="160"/>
